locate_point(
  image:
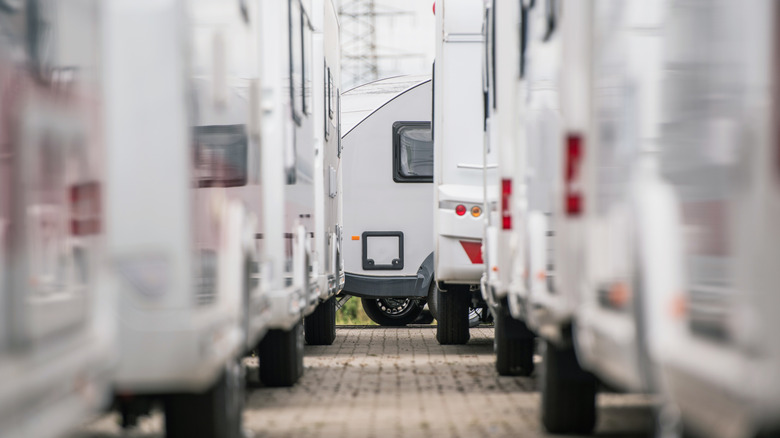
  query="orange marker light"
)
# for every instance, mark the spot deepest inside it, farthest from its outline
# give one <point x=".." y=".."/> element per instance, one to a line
<point x="355" y="237"/>
<point x="678" y="306"/>
<point x="619" y="295"/>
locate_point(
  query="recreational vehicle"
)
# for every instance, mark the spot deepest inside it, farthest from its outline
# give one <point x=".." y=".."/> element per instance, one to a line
<point x="388" y="178"/>
<point x="327" y="262"/>
<point x="504" y="199"/>
<point x="58" y="336"/>
<point x="615" y="154"/>
<point x="713" y="322"/>
<point x="459" y="165"/>
<point x="179" y="239"/>
<point x="555" y="111"/>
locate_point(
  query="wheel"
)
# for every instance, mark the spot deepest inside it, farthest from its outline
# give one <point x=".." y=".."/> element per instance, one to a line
<point x="514" y="345"/>
<point x="433" y="299"/>
<point x="392" y="312"/>
<point x="453" y="311"/>
<point x="280" y="354"/>
<point x="568" y="393"/>
<point x="320" y="326"/>
<point x="217" y="412"/>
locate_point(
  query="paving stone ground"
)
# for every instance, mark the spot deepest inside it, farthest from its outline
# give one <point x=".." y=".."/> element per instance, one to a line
<point x="399" y="382"/>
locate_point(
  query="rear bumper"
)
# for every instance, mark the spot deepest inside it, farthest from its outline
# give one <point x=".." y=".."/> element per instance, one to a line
<point x="366" y="286"/>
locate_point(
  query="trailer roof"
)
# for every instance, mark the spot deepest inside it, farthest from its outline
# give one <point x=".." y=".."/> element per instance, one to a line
<point x="360" y="102"/>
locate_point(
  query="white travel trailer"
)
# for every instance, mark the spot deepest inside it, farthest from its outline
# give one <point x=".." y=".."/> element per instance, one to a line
<point x="388" y="171"/>
<point x="58" y="336"/>
<point x="504" y="187"/>
<point x="713" y="321"/>
<point x="458" y="136"/>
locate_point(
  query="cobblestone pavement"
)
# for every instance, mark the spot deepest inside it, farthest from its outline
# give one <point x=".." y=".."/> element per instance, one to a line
<point x="399" y="382"/>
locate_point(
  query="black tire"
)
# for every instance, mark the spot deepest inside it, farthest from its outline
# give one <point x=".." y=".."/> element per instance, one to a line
<point x="392" y="312"/>
<point x="568" y="393"/>
<point x="280" y="354"/>
<point x="453" y="312"/>
<point x="320" y="326"/>
<point x="217" y="412"/>
<point x="433" y="300"/>
<point x="514" y="344"/>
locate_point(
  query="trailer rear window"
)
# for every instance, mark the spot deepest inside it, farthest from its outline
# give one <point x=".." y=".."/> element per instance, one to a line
<point x="412" y="152"/>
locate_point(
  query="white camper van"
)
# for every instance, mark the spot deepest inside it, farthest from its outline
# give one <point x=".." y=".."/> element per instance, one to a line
<point x="459" y="163"/>
<point x="713" y="322"/>
<point x="504" y="202"/>
<point x="388" y="176"/>
<point x="328" y="261"/>
<point x="58" y="336"/>
<point x="555" y="114"/>
<point x="616" y="153"/>
<point x="179" y="237"/>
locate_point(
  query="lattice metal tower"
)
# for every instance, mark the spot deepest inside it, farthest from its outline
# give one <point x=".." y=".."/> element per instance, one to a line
<point x="358" y="42"/>
<point x="359" y="50"/>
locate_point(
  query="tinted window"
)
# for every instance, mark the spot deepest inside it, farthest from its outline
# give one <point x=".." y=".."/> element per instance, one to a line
<point x="412" y="152"/>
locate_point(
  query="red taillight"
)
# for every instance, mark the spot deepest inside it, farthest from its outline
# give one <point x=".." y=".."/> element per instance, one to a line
<point x="85" y="209"/>
<point x="573" y="185"/>
<point x="460" y="210"/>
<point x="506" y="214"/>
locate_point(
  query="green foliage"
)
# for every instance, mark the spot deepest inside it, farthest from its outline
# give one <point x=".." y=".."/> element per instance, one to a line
<point x="352" y="314"/>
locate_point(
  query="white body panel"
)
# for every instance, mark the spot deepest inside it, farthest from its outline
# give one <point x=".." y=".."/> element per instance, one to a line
<point x="58" y="331"/>
<point x="719" y="159"/>
<point x="458" y="138"/>
<point x="373" y="200"/>
<point x="620" y="145"/>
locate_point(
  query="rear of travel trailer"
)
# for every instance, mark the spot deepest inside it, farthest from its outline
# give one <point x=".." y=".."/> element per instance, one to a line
<point x="388" y="177"/>
<point x="58" y="331"/>
<point x="459" y="163"/>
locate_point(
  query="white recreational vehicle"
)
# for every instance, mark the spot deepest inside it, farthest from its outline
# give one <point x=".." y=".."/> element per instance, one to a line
<point x="504" y="203"/>
<point x="178" y="238"/>
<point x="388" y="175"/>
<point x="713" y="314"/>
<point x="213" y="201"/>
<point x="328" y="261"/>
<point x="459" y="164"/>
<point x="58" y="336"/>
<point x="612" y="161"/>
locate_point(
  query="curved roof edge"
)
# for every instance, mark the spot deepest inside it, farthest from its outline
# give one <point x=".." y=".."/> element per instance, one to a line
<point x="387" y="89"/>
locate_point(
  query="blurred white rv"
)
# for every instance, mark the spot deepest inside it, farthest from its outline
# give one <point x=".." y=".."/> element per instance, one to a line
<point x="213" y="244"/>
<point x="58" y="336"/>
<point x="616" y="155"/>
<point x="458" y="122"/>
<point x="388" y="171"/>
<point x="180" y="240"/>
<point x="554" y="111"/>
<point x="504" y="202"/>
<point x="713" y="321"/>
